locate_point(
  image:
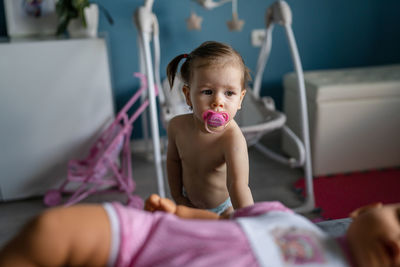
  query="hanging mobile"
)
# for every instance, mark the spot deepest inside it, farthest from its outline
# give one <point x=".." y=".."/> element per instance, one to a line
<point x="235" y="24"/>
<point x="194" y="22"/>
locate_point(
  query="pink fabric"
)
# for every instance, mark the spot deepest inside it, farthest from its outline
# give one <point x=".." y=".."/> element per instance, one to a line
<point x="160" y="239"/>
<point x="260" y="208"/>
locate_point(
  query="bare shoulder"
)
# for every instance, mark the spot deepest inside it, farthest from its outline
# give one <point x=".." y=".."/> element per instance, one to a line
<point x="234" y="135"/>
<point x="179" y="122"/>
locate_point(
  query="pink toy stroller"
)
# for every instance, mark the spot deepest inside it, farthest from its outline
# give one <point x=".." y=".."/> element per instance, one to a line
<point x="108" y="165"/>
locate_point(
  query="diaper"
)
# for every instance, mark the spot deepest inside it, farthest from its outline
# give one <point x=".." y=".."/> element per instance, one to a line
<point x="218" y="210"/>
<point x="223" y="207"/>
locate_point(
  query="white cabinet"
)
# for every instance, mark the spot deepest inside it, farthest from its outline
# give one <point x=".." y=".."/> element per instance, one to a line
<point x="354" y="117"/>
<point x="55" y="98"/>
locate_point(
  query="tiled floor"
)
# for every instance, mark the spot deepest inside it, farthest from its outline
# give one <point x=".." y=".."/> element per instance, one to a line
<point x="269" y="180"/>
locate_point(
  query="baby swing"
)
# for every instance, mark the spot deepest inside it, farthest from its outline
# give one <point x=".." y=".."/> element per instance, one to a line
<point x="107" y="168"/>
<point x="259" y="116"/>
<point x="280" y="13"/>
<point x="147" y="26"/>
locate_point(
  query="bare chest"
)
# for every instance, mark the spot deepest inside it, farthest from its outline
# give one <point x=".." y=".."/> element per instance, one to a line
<point x="201" y="152"/>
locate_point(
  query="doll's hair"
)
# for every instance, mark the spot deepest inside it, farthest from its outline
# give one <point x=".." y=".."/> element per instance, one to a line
<point x="208" y="54"/>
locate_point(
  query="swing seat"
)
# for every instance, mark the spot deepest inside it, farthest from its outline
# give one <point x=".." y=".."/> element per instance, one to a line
<point x="173" y="101"/>
<point x="258" y="117"/>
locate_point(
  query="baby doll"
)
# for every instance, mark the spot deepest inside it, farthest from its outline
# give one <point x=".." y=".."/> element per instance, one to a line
<point x="264" y="234"/>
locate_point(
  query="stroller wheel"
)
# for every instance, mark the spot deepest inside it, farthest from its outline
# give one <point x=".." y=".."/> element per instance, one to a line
<point x="52" y="197"/>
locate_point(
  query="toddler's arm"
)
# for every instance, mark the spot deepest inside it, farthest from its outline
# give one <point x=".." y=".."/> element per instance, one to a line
<point x="237" y="165"/>
<point x="174" y="167"/>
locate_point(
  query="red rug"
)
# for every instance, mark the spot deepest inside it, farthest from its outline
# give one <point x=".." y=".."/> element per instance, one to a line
<point x="338" y="195"/>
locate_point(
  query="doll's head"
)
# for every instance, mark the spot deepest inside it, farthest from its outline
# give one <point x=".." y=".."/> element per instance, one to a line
<point x="374" y="235"/>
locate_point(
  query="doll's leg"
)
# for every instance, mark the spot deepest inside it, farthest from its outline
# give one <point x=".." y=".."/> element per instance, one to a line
<point x="78" y="236"/>
<point x="155" y="202"/>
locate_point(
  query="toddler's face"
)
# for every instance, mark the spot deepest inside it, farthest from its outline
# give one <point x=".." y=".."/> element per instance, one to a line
<point x="216" y="88"/>
<point x="374" y="235"/>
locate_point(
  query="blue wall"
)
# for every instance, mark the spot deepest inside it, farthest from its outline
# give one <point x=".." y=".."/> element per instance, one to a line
<point x="330" y="34"/>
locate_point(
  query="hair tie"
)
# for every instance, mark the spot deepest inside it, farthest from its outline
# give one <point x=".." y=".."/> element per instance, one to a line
<point x="185" y="55"/>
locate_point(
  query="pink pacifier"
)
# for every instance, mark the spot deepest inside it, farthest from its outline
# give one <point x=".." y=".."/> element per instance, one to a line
<point x="214" y="119"/>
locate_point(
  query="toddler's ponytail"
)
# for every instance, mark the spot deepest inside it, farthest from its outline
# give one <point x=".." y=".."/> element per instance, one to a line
<point x="173" y="67"/>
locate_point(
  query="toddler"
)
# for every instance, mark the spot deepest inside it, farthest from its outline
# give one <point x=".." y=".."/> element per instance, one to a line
<point x="207" y="160"/>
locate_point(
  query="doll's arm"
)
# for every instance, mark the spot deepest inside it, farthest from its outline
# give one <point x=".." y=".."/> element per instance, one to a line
<point x="237" y="164"/>
<point x="156" y="203"/>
